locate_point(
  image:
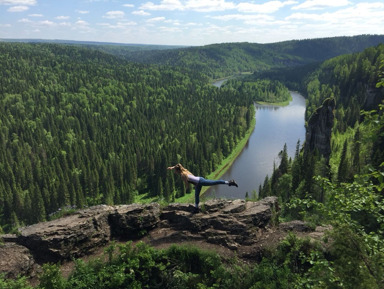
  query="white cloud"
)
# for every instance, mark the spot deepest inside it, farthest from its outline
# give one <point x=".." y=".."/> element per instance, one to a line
<point x="24" y="20"/>
<point x="82" y="26"/>
<point x="18" y="2"/>
<point x="126" y="23"/>
<point x="167" y="29"/>
<point x="65" y="24"/>
<point x="118" y="25"/>
<point x="129" y="5"/>
<point x="193" y="5"/>
<point x="357" y="14"/>
<point x="82" y="11"/>
<point x="217" y="5"/>
<point x="114" y="15"/>
<point x="156" y="19"/>
<point x="47" y="23"/>
<point x="35" y="15"/>
<point x="18" y="9"/>
<point x="173" y="22"/>
<point x="62" y="17"/>
<point x="321" y="4"/>
<point x="141" y="13"/>
<point x="81" y="23"/>
<point x="254" y="20"/>
<point x="164" y="5"/>
<point x="193" y="24"/>
<point x="209" y="5"/>
<point x="265" y="8"/>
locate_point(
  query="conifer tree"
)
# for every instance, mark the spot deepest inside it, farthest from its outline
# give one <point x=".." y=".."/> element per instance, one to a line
<point x="39" y="213"/>
<point x="296" y="168"/>
<point x="356" y="151"/>
<point x="343" y="169"/>
<point x="160" y="191"/>
<point x="284" y="164"/>
<point x="266" y="191"/>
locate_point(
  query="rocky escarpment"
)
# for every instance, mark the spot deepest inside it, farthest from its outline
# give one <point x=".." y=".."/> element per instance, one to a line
<point x="235" y="225"/>
<point x="319" y="129"/>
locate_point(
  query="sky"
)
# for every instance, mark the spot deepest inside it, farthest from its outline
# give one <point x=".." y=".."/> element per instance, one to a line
<point x="188" y="22"/>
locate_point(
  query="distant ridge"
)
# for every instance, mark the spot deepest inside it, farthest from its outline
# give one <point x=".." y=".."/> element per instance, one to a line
<point x="87" y="43"/>
<point x="225" y="59"/>
<point x="221" y="60"/>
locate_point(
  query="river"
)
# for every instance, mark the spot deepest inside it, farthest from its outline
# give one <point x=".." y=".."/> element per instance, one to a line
<point x="275" y="126"/>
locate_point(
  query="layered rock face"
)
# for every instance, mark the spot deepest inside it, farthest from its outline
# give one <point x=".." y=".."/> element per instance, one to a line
<point x="319" y="130"/>
<point x="231" y="224"/>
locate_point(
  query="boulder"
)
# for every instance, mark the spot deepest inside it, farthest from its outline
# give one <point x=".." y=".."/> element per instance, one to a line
<point x="259" y="214"/>
<point x="296" y="226"/>
<point x="71" y="236"/>
<point x="16" y="260"/>
<point x="225" y="222"/>
<point x="133" y="221"/>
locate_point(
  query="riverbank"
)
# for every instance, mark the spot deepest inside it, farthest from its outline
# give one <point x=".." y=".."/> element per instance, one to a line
<point x="283" y="103"/>
<point x="231" y="76"/>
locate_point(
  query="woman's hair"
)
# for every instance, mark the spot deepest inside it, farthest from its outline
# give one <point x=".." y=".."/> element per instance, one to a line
<point x="181" y="170"/>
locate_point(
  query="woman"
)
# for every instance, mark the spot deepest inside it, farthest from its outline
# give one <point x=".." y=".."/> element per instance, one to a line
<point x="198" y="182"/>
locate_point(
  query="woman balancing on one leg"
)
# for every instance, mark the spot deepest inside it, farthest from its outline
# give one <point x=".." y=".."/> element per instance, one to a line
<point x="198" y="182"/>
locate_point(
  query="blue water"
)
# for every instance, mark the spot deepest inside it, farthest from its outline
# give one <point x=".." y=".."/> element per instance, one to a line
<point x="275" y="126"/>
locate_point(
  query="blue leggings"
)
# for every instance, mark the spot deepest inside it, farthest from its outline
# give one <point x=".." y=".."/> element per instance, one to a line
<point x="205" y="182"/>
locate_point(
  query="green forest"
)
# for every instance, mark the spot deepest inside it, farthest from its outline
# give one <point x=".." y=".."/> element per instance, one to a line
<point x="261" y="90"/>
<point x="80" y="126"/>
<point x="222" y="60"/>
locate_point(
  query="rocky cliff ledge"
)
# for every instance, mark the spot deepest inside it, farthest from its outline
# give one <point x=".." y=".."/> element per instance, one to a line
<point x="225" y="225"/>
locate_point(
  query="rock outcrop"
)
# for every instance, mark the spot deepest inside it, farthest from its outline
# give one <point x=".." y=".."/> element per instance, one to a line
<point x="319" y="129"/>
<point x="234" y="225"/>
<point x="17" y="260"/>
<point x="71" y="236"/>
<point x="227" y="223"/>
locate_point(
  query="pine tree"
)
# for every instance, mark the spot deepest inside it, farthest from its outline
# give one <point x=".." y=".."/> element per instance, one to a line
<point x="296" y="168"/>
<point x="342" y="172"/>
<point x="273" y="181"/>
<point x="284" y="164"/>
<point x="356" y="151"/>
<point x="160" y="191"/>
<point x="39" y="213"/>
<point x="266" y="191"/>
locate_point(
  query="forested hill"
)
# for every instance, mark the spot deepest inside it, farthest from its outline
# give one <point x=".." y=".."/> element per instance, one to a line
<point x="80" y="127"/>
<point x="345" y="99"/>
<point x="220" y="60"/>
<point x="356" y="147"/>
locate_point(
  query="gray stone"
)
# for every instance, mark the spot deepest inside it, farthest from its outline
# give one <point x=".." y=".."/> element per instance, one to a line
<point x="259" y="214"/>
<point x="16" y="260"/>
<point x="296" y="226"/>
<point x="71" y="236"/>
<point x="236" y="206"/>
<point x="132" y="221"/>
